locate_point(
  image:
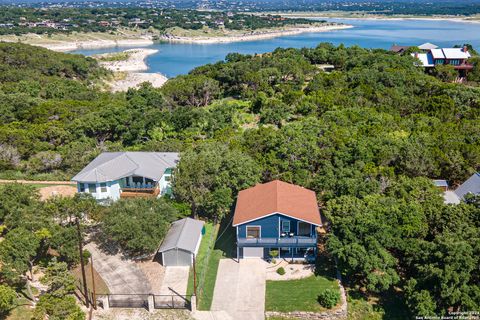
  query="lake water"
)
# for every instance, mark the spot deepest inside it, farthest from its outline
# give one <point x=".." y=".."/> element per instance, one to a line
<point x="174" y="59"/>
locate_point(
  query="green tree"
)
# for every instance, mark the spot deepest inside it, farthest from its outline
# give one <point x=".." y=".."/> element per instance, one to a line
<point x="58" y="278"/>
<point x="205" y="175"/>
<point x="138" y="226"/>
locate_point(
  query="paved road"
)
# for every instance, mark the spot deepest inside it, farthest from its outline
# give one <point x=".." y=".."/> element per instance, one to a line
<point x="240" y="289"/>
<point x="121" y="276"/>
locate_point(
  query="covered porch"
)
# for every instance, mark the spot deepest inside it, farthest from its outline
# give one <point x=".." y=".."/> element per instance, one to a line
<point x="137" y="186"/>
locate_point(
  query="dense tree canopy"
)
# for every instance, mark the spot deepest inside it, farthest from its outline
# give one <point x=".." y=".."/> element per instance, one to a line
<point x="367" y="138"/>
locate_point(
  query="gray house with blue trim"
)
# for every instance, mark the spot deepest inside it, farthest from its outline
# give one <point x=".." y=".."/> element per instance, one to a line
<point x="115" y="175"/>
<point x="276" y="217"/>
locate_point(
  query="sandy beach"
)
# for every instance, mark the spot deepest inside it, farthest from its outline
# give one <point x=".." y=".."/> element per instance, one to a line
<point x="128" y="68"/>
<point x="135" y="61"/>
<point x="253" y="36"/>
<point x="95" y="44"/>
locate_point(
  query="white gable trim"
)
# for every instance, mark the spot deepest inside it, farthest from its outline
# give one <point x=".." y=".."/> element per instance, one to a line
<point x="274" y="213"/>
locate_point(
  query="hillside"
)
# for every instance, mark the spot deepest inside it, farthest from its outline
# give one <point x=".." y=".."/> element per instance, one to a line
<point x="366" y="138"/>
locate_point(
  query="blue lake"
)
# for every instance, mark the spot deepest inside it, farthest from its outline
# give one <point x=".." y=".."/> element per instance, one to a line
<point x="174" y="59"/>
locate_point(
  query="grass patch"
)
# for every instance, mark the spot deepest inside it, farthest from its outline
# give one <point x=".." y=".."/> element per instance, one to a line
<point x="217" y="243"/>
<point x="297" y="295"/>
<point x="111" y="57"/>
<point x="24" y="310"/>
<point x="100" y="285"/>
<point x="388" y="306"/>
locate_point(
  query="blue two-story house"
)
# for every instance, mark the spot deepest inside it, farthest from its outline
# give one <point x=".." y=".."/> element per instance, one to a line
<point x="276" y="218"/>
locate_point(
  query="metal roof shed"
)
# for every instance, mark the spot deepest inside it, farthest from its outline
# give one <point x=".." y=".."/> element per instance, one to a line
<point x="181" y="243"/>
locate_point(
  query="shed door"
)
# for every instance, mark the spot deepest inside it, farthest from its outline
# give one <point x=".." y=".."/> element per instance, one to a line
<point x="176" y="257"/>
<point x="170" y="258"/>
<point x="252" y="252"/>
<point x="184" y="258"/>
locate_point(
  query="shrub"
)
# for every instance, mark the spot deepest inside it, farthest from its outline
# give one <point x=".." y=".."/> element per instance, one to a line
<point x="328" y="298"/>
<point x="281" y="271"/>
<point x="8" y="299"/>
<point x="57" y="308"/>
<point x="273" y="253"/>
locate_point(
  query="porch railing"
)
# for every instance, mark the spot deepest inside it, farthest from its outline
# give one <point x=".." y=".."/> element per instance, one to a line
<point x="295" y="241"/>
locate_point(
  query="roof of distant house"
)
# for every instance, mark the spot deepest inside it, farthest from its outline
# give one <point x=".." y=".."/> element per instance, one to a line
<point x="183" y="234"/>
<point x="440" y="183"/>
<point x="398" y="49"/>
<point x="456" y="53"/>
<point x="277" y="197"/>
<point x="426" y="59"/>
<point x="472" y="185"/>
<point x="110" y="166"/>
<point x="427" y="46"/>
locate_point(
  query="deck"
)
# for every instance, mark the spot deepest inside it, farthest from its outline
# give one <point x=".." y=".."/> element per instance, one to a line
<point x="297" y="242"/>
<point x="139" y="193"/>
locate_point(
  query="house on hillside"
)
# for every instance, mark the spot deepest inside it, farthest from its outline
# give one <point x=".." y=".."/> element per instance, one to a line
<point x="399" y="49"/>
<point x="276" y="216"/>
<point x="456" y="57"/>
<point x="427" y="46"/>
<point x="115" y="175"/>
<point x="470" y="186"/>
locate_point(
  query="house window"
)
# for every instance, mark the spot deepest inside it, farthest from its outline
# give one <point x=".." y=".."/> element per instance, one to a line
<point x="168" y="178"/>
<point x="253" y="232"/>
<point x="82" y="187"/>
<point x="103" y="187"/>
<point x="137" y="180"/>
<point x="92" y="188"/>
<point x="285" y="226"/>
<point x="439" y="61"/>
<point x="304" y="229"/>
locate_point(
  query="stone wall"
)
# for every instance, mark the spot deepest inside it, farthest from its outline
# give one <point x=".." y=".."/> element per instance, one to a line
<point x="338" y="313"/>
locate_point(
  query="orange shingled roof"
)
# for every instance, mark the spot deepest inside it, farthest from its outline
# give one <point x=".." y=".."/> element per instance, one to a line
<point x="277" y="196"/>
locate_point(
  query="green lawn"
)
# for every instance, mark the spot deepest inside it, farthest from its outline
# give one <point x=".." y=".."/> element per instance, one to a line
<point x="217" y="243"/>
<point x="297" y="295"/>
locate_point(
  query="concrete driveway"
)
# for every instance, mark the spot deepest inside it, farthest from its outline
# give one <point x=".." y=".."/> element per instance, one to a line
<point x="121" y="276"/>
<point x="175" y="281"/>
<point x="240" y="289"/>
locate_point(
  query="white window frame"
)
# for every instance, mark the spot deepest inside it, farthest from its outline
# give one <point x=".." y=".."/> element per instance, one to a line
<point x="253" y="226"/>
<point x="289" y="226"/>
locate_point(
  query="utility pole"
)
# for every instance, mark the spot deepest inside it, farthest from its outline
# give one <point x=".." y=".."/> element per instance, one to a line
<point x="94" y="298"/>
<point x="82" y="265"/>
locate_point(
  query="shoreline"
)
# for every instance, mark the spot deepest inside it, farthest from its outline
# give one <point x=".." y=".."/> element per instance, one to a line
<point x="73" y="45"/>
<point x="135" y="60"/>
<point x="326" y="15"/>
<point x="253" y="36"/>
<point x="66" y="46"/>
<point x="129" y="68"/>
<point x="96" y="44"/>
